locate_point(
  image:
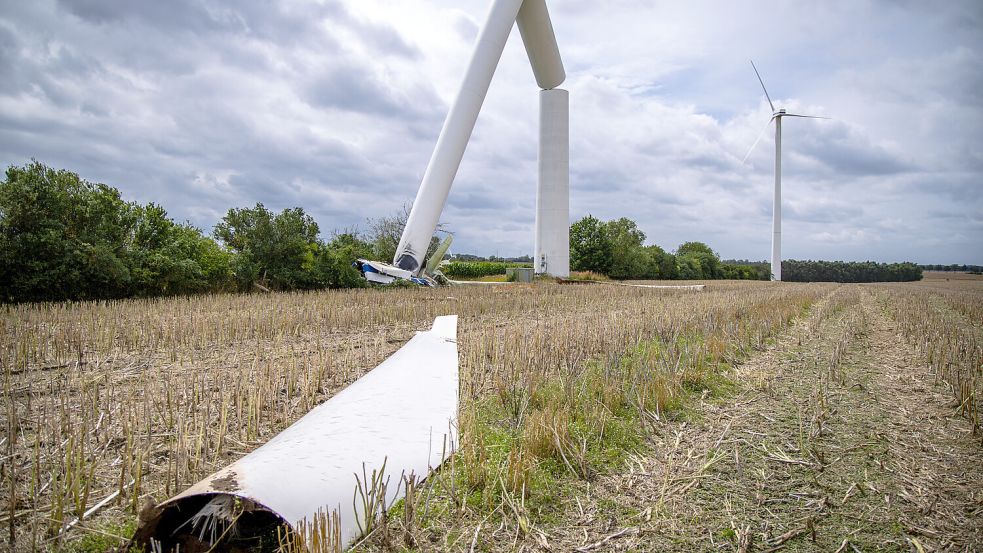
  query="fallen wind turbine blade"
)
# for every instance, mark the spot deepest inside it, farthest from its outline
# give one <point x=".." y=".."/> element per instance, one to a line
<point x="476" y="283"/>
<point x="698" y="287"/>
<point x="763" y="86"/>
<point x="761" y="134"/>
<point x="400" y="418"/>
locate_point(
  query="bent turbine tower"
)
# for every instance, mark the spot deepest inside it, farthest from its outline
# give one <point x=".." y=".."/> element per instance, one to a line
<point x="552" y="244"/>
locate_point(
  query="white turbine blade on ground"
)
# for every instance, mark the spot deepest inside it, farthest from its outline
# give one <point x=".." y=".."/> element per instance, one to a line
<point x="400" y="416"/>
<point x="761" y="134"/>
<point x="763" y="86"/>
<point x="804" y="116"/>
<point x="476" y="283"/>
<point x="652" y="286"/>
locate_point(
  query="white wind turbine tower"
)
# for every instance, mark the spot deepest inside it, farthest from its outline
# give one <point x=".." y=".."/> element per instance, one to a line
<point x="776" y="221"/>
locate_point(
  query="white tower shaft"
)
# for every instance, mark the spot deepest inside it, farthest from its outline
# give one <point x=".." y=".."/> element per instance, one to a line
<point x="776" y="221"/>
<point x="534" y="24"/>
<point x="552" y="247"/>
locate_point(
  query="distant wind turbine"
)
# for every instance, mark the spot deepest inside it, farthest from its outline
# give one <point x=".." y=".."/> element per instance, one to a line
<point x="776" y="221"/>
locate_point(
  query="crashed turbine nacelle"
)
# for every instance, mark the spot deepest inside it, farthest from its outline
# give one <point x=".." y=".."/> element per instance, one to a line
<point x="402" y="415"/>
<point x="384" y="273"/>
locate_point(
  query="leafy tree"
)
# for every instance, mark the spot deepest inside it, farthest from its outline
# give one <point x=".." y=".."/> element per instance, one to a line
<point x="60" y="236"/>
<point x="739" y="272"/>
<point x="689" y="267"/>
<point x="660" y="264"/>
<point x="385" y="232"/>
<point x="169" y="258"/>
<point x="706" y="259"/>
<point x="278" y="249"/>
<point x="64" y="238"/>
<point x="590" y="246"/>
<point x="627" y="258"/>
<point x="694" y="248"/>
<point x="186" y="262"/>
<point x="333" y="262"/>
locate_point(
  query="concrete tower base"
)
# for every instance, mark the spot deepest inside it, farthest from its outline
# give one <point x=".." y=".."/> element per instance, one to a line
<point x="552" y="250"/>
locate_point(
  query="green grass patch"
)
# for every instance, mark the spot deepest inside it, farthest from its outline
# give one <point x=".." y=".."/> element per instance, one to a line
<point x="108" y="537"/>
<point x="521" y="444"/>
<point x="525" y="446"/>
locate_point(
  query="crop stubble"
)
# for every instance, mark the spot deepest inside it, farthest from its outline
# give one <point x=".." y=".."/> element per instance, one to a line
<point x="141" y="398"/>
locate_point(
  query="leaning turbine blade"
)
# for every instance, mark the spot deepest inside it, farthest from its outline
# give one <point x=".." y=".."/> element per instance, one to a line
<point x="804" y="116"/>
<point x="439" y="254"/>
<point x="763" y="86"/>
<point x="761" y="134"/>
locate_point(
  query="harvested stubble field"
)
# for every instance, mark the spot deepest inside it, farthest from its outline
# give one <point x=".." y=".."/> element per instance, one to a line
<point x="749" y="417"/>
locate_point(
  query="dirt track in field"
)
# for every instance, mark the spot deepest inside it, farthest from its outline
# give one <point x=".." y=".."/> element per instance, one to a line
<point x="840" y="439"/>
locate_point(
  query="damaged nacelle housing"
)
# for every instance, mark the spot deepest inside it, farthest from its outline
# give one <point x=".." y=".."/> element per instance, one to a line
<point x="402" y="416"/>
<point x="383" y="273"/>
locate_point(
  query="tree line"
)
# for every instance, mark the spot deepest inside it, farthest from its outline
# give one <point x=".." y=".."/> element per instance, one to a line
<point x="64" y="238"/>
<point x="954" y="268"/>
<point x="617" y="249"/>
<point x="843" y="271"/>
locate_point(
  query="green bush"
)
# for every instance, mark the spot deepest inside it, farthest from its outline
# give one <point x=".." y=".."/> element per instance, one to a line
<point x="64" y="238"/>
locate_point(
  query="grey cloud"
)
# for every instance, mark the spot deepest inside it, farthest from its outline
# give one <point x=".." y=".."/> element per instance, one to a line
<point x="8" y="55"/>
<point x="174" y="13"/>
<point x="709" y="161"/>
<point x="356" y="89"/>
<point x="960" y="188"/>
<point x="479" y="200"/>
<point x="281" y="22"/>
<point x="597" y="179"/>
<point x="26" y="69"/>
<point x="206" y="105"/>
<point x="821" y="211"/>
<point x="848" y="159"/>
<point x="840" y="149"/>
<point x="386" y="40"/>
<point x="351" y="88"/>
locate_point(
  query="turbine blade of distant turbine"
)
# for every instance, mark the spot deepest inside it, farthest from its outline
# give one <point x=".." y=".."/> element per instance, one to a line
<point x="763" y="86"/>
<point x="761" y="134"/>
<point x="804" y="116"/>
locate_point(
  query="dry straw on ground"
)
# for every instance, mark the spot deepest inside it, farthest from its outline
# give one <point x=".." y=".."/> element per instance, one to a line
<point x="109" y="405"/>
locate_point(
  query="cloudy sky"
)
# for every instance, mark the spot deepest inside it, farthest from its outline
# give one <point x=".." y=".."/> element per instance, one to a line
<point x="336" y="105"/>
